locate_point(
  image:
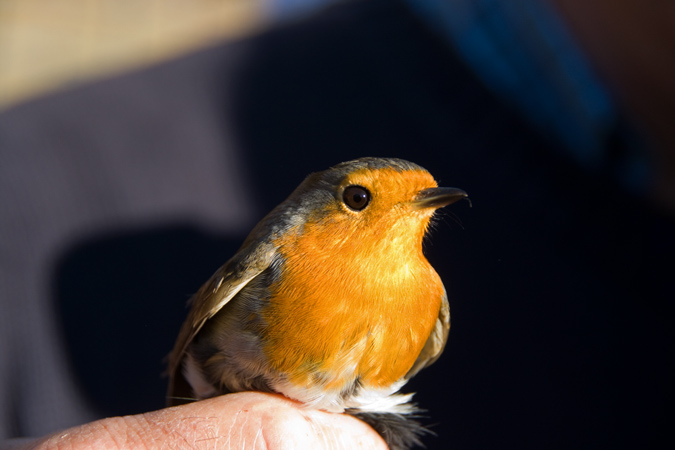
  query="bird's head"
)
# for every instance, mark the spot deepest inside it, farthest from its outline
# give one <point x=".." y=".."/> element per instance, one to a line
<point x="363" y="206"/>
<point x="373" y="198"/>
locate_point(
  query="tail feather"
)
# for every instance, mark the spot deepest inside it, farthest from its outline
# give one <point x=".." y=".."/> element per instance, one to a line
<point x="399" y="431"/>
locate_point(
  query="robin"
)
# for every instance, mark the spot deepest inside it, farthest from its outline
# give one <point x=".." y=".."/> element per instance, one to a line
<point x="329" y="301"/>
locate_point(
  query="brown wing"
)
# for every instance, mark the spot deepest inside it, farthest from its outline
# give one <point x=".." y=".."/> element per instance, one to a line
<point x="436" y="342"/>
<point x="222" y="287"/>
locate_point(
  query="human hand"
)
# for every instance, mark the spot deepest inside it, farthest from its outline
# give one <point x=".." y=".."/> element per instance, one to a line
<point x="247" y="420"/>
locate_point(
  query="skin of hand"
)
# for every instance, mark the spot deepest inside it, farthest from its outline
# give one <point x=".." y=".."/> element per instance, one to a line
<point x="248" y="420"/>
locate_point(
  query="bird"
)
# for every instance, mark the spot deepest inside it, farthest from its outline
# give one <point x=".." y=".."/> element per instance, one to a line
<point x="330" y="300"/>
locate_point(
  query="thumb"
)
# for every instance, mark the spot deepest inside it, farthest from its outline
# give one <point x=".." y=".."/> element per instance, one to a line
<point x="247" y="420"/>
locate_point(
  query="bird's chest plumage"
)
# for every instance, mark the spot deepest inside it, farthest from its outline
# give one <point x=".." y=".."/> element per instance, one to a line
<point x="343" y="313"/>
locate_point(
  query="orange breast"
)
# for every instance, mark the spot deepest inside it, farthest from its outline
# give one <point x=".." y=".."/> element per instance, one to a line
<point x="353" y="301"/>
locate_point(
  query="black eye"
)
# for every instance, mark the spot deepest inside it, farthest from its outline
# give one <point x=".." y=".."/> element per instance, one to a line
<point x="356" y="197"/>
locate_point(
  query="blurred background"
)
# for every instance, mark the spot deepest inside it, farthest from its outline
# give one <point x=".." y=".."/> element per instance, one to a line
<point x="47" y="45"/>
<point x="141" y="140"/>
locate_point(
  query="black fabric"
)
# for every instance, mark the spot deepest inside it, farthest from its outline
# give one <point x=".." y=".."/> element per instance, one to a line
<point x="561" y="284"/>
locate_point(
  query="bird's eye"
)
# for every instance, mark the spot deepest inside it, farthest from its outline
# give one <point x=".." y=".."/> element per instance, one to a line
<point x="356" y="197"/>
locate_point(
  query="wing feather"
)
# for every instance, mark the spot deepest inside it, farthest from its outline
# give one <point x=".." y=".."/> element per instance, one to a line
<point x="436" y="342"/>
<point x="222" y="287"/>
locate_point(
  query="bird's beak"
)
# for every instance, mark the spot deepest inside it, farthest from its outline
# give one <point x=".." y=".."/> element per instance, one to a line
<point x="439" y="197"/>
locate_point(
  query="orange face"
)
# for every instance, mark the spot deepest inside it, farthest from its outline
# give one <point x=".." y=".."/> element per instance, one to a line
<point x="357" y="297"/>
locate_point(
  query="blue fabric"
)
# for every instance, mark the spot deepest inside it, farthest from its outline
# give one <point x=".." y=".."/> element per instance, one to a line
<point x="522" y="51"/>
<point x="287" y="9"/>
